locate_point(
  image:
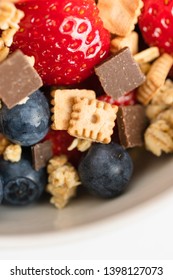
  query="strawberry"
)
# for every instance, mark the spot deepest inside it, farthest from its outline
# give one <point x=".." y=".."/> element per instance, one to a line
<point x="61" y="140"/>
<point x="66" y="37"/>
<point x="156" y="24"/>
<point x="125" y="100"/>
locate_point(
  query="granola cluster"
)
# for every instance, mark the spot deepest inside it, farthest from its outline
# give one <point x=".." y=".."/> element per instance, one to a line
<point x="62" y="181"/>
<point x="9" y="151"/>
<point x="156" y="93"/>
<point x="159" y="134"/>
<point x="10" y="18"/>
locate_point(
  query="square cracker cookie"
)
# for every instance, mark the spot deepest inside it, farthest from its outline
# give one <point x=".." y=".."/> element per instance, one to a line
<point x="93" y="120"/>
<point x="62" y="105"/>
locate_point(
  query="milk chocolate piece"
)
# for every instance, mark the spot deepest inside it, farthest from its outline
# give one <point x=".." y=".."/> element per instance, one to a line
<point x="119" y="74"/>
<point x="18" y="79"/>
<point x="131" y="122"/>
<point x="41" y="154"/>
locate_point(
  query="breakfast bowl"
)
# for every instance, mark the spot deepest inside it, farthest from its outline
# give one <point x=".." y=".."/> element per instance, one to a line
<point x="66" y="81"/>
<point x="43" y="225"/>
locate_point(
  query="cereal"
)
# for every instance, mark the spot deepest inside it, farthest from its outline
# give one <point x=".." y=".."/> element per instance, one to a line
<point x="119" y="17"/>
<point x="92" y="120"/>
<point x="145" y="67"/>
<point x="159" y="137"/>
<point x="164" y="95"/>
<point x="153" y="110"/>
<point x="147" y="55"/>
<point x="155" y="78"/>
<point x="130" y="41"/>
<point x="167" y="116"/>
<point x="82" y="145"/>
<point x="62" y="105"/>
<point x="12" y="153"/>
<point x="62" y="181"/>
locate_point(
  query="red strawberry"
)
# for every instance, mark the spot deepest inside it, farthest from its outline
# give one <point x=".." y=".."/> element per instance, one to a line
<point x="66" y="38"/>
<point x="156" y="24"/>
<point x="125" y="100"/>
<point x="61" y="140"/>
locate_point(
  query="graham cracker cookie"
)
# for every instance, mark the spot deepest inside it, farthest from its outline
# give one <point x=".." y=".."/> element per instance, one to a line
<point x="119" y="17"/>
<point x="155" y="78"/>
<point x="62" y="105"/>
<point x="92" y="119"/>
<point x="130" y="41"/>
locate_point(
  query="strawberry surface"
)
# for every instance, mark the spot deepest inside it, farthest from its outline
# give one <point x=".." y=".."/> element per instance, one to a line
<point x="156" y="24"/>
<point x="67" y="38"/>
<point x="125" y="100"/>
<point x="61" y="140"/>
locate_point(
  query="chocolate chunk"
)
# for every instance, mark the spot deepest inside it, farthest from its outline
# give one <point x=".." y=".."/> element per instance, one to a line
<point x="131" y="122"/>
<point x="18" y="79"/>
<point x="41" y="154"/>
<point x="119" y="74"/>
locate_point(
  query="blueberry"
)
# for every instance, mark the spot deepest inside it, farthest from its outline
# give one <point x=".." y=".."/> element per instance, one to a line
<point x="22" y="184"/>
<point x="28" y="123"/>
<point x="1" y="190"/>
<point x="106" y="170"/>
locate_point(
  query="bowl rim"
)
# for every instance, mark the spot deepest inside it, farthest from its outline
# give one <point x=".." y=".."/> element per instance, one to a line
<point x="85" y="231"/>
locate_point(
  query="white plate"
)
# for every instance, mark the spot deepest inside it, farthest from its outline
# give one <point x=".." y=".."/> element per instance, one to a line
<point x="43" y="224"/>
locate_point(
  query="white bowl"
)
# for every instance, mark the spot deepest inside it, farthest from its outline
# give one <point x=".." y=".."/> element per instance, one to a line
<point x="44" y="224"/>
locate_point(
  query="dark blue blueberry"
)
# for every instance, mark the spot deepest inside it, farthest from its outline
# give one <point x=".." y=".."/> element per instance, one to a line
<point x="28" y="123"/>
<point x="1" y="189"/>
<point x="21" y="183"/>
<point x="106" y="170"/>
